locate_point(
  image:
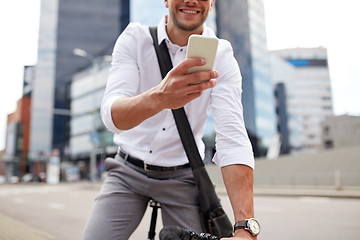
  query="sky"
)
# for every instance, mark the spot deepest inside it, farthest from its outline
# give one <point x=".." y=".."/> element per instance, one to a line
<point x="289" y="23"/>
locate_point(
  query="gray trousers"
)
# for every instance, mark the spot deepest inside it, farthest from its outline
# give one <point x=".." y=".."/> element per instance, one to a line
<point x="124" y="197"/>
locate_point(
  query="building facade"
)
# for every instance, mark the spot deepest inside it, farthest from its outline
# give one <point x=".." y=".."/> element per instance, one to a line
<point x="91" y="25"/>
<point x="341" y="131"/>
<point x="242" y="23"/>
<point x="18" y="131"/>
<point x="17" y="138"/>
<point x="309" y="93"/>
<point x="89" y="139"/>
<point x="288" y="121"/>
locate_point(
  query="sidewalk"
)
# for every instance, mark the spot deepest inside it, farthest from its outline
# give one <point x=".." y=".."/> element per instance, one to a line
<point x="304" y="191"/>
<point x="307" y="191"/>
<point x="11" y="229"/>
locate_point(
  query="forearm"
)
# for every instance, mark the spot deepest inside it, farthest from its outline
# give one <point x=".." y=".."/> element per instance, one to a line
<point x="129" y="112"/>
<point x="174" y="91"/>
<point x="239" y="181"/>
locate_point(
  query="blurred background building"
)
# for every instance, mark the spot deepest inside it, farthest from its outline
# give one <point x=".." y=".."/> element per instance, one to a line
<point x="242" y="23"/>
<point x="289" y="125"/>
<point x="65" y="25"/>
<point x="302" y="78"/>
<point x="88" y="136"/>
<point x="340" y="131"/>
<point x="15" y="160"/>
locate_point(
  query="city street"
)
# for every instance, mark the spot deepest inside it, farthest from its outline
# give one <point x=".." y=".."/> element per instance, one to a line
<point x="60" y="213"/>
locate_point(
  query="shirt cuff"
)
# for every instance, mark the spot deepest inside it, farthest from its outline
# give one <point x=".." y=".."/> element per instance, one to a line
<point x="245" y="157"/>
<point x="106" y="114"/>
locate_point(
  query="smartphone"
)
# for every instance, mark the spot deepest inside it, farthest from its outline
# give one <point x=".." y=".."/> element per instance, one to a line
<point x="202" y="46"/>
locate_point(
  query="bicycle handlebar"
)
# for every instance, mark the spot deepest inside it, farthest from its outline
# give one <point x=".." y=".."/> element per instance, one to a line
<point x="178" y="233"/>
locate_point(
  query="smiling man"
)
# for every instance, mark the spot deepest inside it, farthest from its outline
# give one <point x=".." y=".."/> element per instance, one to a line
<point x="151" y="162"/>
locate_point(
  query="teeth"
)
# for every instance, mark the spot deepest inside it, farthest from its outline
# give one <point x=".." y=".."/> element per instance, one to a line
<point x="189" y="11"/>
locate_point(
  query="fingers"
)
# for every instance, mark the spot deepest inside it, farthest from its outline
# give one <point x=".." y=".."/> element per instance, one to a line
<point x="194" y="88"/>
<point x="195" y="77"/>
<point x="182" y="96"/>
<point x="200" y="77"/>
<point x="188" y="63"/>
<point x="202" y="86"/>
<point x="178" y="88"/>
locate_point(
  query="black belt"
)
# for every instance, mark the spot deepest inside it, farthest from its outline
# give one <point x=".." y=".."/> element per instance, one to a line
<point x="147" y="167"/>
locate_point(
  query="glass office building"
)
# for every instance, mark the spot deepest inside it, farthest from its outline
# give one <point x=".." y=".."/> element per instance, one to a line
<point x="91" y="25"/>
<point x="242" y="23"/>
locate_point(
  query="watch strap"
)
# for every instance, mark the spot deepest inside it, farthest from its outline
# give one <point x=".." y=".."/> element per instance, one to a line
<point x="240" y="225"/>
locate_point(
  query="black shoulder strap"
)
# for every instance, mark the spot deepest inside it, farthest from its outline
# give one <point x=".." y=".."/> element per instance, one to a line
<point x="182" y="122"/>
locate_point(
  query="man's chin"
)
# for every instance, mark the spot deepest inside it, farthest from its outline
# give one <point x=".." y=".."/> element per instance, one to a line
<point x="189" y="27"/>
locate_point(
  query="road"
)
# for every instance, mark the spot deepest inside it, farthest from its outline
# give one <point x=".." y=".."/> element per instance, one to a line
<point x="61" y="211"/>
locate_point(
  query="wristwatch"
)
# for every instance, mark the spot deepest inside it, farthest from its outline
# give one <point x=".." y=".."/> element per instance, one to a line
<point x="251" y="225"/>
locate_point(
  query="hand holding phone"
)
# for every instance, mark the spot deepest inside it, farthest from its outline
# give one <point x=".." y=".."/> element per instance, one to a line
<point x="204" y="47"/>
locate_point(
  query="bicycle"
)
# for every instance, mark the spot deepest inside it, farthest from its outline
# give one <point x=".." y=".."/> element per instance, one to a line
<point x="173" y="232"/>
<point x="178" y="233"/>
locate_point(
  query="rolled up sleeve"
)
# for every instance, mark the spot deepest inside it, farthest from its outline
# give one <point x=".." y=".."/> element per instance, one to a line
<point x="232" y="142"/>
<point x="124" y="75"/>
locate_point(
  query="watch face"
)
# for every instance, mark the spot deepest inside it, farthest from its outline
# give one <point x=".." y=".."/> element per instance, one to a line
<point x="254" y="226"/>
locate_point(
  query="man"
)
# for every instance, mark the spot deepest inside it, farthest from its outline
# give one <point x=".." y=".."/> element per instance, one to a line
<point x="137" y="108"/>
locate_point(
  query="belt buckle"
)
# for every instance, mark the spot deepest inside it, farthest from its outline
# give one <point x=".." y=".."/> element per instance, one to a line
<point x="146" y="168"/>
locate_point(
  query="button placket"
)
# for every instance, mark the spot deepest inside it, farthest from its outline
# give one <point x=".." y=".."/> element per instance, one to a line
<point x="160" y="135"/>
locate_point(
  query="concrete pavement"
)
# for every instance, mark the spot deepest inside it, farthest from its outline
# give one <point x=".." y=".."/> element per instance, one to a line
<point x="11" y="229"/>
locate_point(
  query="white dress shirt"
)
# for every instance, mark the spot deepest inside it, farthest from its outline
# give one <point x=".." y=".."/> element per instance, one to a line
<point x="156" y="141"/>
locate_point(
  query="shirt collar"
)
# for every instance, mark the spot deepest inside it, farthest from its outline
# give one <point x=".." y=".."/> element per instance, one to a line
<point x="162" y="30"/>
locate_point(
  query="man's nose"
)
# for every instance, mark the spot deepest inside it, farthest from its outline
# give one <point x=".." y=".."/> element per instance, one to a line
<point x="193" y="2"/>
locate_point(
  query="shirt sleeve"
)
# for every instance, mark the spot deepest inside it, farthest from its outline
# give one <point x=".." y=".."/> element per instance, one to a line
<point x="232" y="142"/>
<point x="123" y="80"/>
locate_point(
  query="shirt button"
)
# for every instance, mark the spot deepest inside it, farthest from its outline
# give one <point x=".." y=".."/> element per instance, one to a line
<point x="163" y="129"/>
<point x="150" y="151"/>
<point x="181" y="50"/>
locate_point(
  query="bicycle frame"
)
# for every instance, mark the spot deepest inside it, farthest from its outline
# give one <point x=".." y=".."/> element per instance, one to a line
<point x="155" y="205"/>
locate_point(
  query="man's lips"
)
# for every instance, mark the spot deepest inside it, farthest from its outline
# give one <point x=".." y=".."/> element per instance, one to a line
<point x="189" y="11"/>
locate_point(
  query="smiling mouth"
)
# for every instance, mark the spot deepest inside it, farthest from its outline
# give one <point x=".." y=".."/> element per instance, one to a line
<point x="189" y="11"/>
